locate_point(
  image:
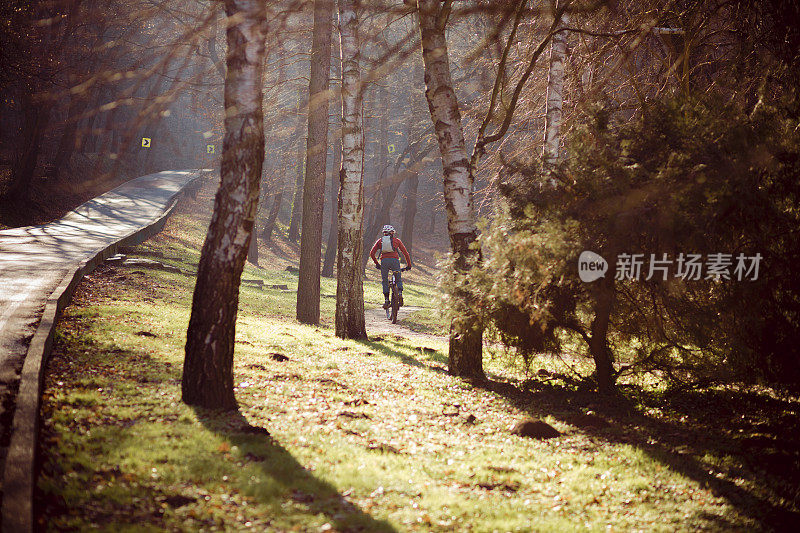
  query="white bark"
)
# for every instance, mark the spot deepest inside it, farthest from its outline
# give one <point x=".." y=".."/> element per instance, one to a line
<point x="349" y="288"/>
<point x="446" y="116"/>
<point x="465" y="353"/>
<point x="208" y="366"/>
<point x="555" y="92"/>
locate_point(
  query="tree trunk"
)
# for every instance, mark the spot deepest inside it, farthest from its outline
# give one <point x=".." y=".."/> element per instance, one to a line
<point x="66" y="146"/>
<point x="316" y="155"/>
<point x="330" y="247"/>
<point x="329" y="261"/>
<point x="410" y="211"/>
<point x="269" y="226"/>
<point x="381" y="218"/>
<point x="414" y="155"/>
<point x="466" y="346"/>
<point x="412" y="184"/>
<point x="370" y="99"/>
<point x="53" y="36"/>
<point x="296" y="211"/>
<point x="598" y="344"/>
<point x="36" y="118"/>
<point x="383" y="134"/>
<point x="555" y="99"/>
<point x="252" y="250"/>
<point x="297" y="204"/>
<point x="208" y="366"/>
<point x="349" y="285"/>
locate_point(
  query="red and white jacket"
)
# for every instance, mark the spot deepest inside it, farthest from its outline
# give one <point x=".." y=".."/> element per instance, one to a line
<point x="398" y="244"/>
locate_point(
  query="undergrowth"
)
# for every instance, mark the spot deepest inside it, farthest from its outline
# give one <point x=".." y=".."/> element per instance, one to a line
<point x="337" y="435"/>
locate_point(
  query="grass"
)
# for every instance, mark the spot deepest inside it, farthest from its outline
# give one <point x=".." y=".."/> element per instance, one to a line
<point x="428" y="321"/>
<point x="371" y="436"/>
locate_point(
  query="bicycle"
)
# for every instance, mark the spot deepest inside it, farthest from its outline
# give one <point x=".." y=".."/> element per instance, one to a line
<point x="394" y="306"/>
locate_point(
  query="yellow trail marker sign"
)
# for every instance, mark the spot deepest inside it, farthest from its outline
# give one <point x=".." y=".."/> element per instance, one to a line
<point x="210" y="149"/>
<point x="145" y="142"/>
<point x="391" y="149"/>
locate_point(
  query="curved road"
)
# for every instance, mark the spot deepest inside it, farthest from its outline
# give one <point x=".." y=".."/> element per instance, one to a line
<point x="35" y="260"/>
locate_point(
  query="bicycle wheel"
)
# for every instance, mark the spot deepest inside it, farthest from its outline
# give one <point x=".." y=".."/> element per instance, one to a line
<point x="395" y="304"/>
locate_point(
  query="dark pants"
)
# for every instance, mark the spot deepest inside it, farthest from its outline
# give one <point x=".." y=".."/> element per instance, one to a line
<point x="394" y="264"/>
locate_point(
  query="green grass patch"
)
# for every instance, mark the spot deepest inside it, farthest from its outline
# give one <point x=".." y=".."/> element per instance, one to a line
<point x="429" y="321"/>
<point x="363" y="436"/>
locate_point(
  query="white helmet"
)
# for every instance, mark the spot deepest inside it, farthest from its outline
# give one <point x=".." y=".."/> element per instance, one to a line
<point x="388" y="229"/>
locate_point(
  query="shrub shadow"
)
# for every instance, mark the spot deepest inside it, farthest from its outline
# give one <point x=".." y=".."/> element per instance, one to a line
<point x="764" y="449"/>
<point x="680" y="445"/>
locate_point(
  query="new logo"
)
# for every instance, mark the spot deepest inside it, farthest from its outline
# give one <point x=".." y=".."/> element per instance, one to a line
<point x="591" y="266"/>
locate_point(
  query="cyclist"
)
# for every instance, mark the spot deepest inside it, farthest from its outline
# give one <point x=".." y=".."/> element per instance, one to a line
<point x="389" y="245"/>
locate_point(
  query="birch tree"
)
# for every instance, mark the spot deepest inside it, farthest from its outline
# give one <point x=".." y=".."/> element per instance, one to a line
<point x="208" y="364"/>
<point x="349" y="285"/>
<point x="555" y="92"/>
<point x="603" y="292"/>
<point x="466" y="344"/>
<point x="316" y="156"/>
<point x="329" y="260"/>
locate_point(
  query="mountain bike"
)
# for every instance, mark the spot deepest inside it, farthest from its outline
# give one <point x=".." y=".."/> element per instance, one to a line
<point x="394" y="301"/>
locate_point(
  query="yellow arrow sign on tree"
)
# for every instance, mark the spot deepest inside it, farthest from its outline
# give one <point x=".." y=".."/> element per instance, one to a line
<point x="145" y="142"/>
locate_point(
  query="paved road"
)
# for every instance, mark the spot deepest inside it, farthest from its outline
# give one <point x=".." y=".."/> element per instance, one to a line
<point x="35" y="259"/>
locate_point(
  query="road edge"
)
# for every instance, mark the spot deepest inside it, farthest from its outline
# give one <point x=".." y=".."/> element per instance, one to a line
<point x="19" y="476"/>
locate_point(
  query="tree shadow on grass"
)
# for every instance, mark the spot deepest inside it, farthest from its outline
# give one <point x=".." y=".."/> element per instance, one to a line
<point x="438" y="358"/>
<point x="319" y="497"/>
<point x="383" y="347"/>
<point x="702" y="424"/>
<point x="680" y="443"/>
<point x="88" y="365"/>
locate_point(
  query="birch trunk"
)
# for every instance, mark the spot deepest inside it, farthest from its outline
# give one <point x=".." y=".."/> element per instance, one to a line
<point x="349" y="284"/>
<point x="333" y="234"/>
<point x="465" y="358"/>
<point x="555" y="96"/>
<point x="208" y="365"/>
<point x="316" y="156"/>
<point x="329" y="261"/>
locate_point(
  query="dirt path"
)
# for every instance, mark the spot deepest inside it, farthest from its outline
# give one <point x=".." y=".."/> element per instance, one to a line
<point x="378" y="324"/>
